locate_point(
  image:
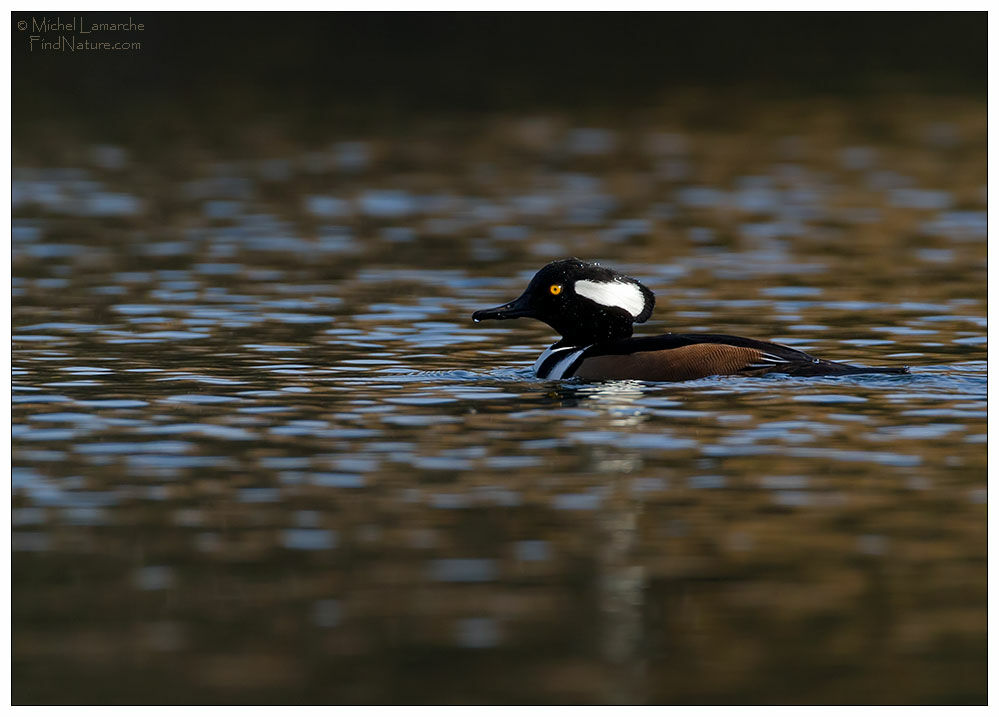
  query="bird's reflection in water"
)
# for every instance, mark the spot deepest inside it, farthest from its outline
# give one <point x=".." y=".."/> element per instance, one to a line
<point x="620" y="578"/>
<point x="619" y="401"/>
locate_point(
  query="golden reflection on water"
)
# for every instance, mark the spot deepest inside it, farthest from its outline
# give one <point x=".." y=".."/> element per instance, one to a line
<point x="261" y="454"/>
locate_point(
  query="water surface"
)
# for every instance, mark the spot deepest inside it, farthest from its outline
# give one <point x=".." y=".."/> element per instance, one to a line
<point x="261" y="453"/>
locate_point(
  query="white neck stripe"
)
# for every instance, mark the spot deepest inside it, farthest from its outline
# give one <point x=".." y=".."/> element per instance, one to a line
<point x="548" y="352"/>
<point x="558" y="370"/>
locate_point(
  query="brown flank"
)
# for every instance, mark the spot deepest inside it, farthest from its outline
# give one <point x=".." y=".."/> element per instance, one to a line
<point x="679" y="364"/>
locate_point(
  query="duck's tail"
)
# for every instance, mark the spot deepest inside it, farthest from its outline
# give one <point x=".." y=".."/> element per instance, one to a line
<point x="833" y="368"/>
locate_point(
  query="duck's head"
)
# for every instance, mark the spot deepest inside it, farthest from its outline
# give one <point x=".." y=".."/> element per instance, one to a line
<point x="584" y="302"/>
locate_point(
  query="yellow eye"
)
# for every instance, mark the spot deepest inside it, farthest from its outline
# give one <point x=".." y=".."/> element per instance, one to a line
<point x="556" y="289"/>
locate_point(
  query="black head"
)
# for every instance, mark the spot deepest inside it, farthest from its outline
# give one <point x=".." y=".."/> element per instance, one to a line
<point x="584" y="302"/>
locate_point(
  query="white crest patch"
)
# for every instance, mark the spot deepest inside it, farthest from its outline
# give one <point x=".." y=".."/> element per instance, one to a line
<point x="623" y="294"/>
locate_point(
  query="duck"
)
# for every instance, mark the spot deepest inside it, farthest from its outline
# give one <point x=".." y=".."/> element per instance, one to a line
<point x="594" y="308"/>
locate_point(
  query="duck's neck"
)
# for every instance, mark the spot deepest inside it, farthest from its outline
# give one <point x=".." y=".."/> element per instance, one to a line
<point x="595" y="335"/>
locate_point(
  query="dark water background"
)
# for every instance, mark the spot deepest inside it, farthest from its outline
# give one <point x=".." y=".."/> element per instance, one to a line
<point x="261" y="454"/>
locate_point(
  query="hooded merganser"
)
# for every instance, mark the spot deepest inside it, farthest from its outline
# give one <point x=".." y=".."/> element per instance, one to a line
<point x="594" y="308"/>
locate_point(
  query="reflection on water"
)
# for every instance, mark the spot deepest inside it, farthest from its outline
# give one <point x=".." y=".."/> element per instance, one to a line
<point x="260" y="453"/>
